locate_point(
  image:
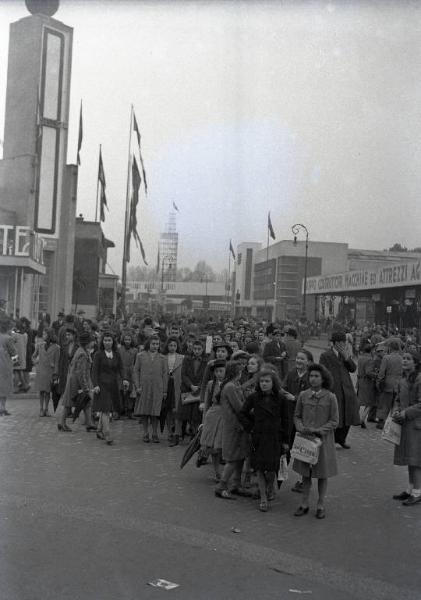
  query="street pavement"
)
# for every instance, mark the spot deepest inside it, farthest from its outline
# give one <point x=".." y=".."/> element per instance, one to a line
<point x="83" y="520"/>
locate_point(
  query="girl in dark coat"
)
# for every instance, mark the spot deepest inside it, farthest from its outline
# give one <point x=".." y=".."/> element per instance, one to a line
<point x="106" y="375"/>
<point x="264" y="414"/>
<point x="192" y="372"/>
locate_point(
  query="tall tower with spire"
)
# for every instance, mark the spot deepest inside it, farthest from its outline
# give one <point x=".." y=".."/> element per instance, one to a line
<point x="168" y="248"/>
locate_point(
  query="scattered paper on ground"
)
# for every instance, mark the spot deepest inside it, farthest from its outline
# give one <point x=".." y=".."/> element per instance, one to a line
<point x="163" y="583"/>
<point x="301" y="591"/>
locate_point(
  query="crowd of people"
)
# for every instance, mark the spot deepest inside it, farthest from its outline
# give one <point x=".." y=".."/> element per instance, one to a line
<point x="247" y="389"/>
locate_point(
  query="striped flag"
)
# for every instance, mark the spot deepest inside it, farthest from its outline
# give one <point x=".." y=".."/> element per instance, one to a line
<point x="271" y="232"/>
<point x="232" y="250"/>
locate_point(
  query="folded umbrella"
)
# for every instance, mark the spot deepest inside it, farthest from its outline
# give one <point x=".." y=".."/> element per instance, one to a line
<point x="81" y="402"/>
<point x="192" y="448"/>
<point x="55" y="395"/>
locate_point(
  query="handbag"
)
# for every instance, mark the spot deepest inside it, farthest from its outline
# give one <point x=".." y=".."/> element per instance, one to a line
<point x="283" y="468"/>
<point x="189" y="398"/>
<point x="391" y="431"/>
<point x="306" y="449"/>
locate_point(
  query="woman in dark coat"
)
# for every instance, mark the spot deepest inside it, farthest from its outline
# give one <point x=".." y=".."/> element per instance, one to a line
<point x="264" y="414"/>
<point x="46" y="357"/>
<point x="296" y="382"/>
<point x="192" y="372"/>
<point x="106" y="376"/>
<point x="366" y="383"/>
<point x="407" y="412"/>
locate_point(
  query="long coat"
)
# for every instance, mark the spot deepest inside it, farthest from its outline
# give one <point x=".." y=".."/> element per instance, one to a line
<point x="271" y="352"/>
<point x="128" y="359"/>
<point x="47" y="366"/>
<point x="265" y="416"/>
<point x="235" y="440"/>
<point x="150" y="377"/>
<point x="343" y="387"/>
<point x="175" y="373"/>
<point x="106" y="374"/>
<point x="408" y="452"/>
<point x="366" y="381"/>
<point x="192" y="372"/>
<point x="7" y="350"/>
<point x="319" y="411"/>
<point x="66" y="355"/>
<point x="390" y="372"/>
<point x="21" y="343"/>
<point x="78" y="377"/>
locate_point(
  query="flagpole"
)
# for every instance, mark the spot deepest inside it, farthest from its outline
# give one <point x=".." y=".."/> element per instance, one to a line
<point x="97" y="188"/>
<point x="229" y="283"/>
<point x="267" y="271"/>
<point x="126" y="241"/>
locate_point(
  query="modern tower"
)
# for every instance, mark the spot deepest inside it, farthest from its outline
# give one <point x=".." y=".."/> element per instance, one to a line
<point x="168" y="249"/>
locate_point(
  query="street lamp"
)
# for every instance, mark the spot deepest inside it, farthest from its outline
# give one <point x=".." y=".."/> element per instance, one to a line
<point x="296" y="230"/>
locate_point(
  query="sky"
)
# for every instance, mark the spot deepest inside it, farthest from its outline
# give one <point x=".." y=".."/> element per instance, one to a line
<point x="308" y="109"/>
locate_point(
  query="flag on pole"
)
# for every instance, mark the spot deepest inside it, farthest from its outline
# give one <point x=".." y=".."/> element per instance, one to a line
<point x="136" y="129"/>
<point x="101" y="179"/>
<point x="175" y="207"/>
<point x="157" y="262"/>
<point x="232" y="250"/>
<point x="136" y="181"/>
<point x="80" y="137"/>
<point x="271" y="232"/>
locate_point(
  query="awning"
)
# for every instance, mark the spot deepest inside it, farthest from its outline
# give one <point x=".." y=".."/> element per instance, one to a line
<point x="29" y="264"/>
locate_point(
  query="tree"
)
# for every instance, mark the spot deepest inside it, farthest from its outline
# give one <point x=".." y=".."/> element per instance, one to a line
<point x="398" y="248"/>
<point x="203" y="272"/>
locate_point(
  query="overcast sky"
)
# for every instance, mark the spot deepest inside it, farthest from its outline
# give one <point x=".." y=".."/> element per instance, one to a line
<point x="311" y="110"/>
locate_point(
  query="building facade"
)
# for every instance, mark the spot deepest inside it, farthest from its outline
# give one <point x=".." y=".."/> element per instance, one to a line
<point x="37" y="189"/>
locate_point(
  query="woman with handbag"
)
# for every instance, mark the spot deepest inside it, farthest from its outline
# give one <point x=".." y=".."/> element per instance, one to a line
<point x="46" y="357"/>
<point x="407" y="412"/>
<point x="316" y="417"/>
<point x="264" y="415"/>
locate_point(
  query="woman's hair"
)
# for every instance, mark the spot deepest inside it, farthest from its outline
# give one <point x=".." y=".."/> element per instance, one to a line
<point x="150" y="339"/>
<point x="327" y="381"/>
<point x="108" y="334"/>
<point x="51" y="336"/>
<point x="233" y="369"/>
<point x="169" y="340"/>
<point x="276" y="383"/>
<point x="259" y="360"/>
<point x="309" y="355"/>
<point x="367" y="348"/>
<point x="417" y="362"/>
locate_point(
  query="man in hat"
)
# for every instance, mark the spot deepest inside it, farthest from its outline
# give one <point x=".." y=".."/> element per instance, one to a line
<point x="340" y="364"/>
<point x="58" y="322"/>
<point x="274" y="351"/>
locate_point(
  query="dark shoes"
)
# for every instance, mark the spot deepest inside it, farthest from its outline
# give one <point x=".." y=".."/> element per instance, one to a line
<point x="63" y="427"/>
<point x="401" y="496"/>
<point x="100" y="435"/>
<point x="412" y="500"/>
<point x="175" y="441"/>
<point x="301" y="511"/>
<point x="242" y="492"/>
<point x="298" y="487"/>
<point x="320" y="513"/>
<point x="91" y="428"/>
<point x="155" y="439"/>
<point x="344" y="445"/>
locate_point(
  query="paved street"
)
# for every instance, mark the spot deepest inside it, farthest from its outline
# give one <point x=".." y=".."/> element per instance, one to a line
<point x="79" y="519"/>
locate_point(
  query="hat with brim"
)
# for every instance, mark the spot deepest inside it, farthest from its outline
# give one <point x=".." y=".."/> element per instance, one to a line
<point x="222" y="345"/>
<point x="239" y="354"/>
<point x="219" y="362"/>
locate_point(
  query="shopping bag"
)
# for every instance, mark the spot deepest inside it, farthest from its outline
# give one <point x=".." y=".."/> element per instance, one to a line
<point x="391" y="431"/>
<point x="283" y="469"/>
<point x="306" y="449"/>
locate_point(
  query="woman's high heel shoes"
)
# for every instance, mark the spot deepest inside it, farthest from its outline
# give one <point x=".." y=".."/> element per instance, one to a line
<point x="61" y="427"/>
